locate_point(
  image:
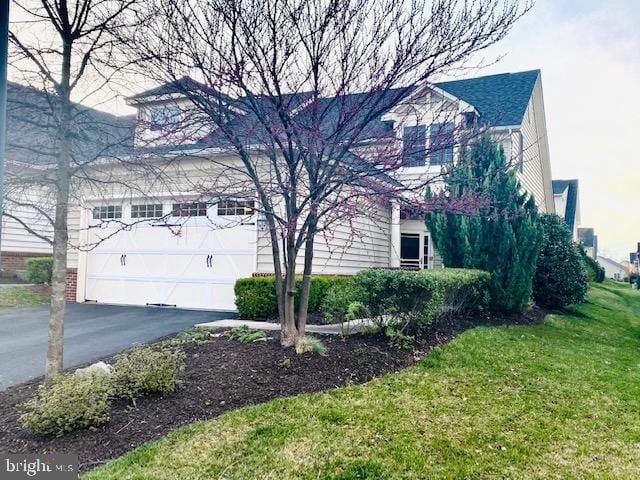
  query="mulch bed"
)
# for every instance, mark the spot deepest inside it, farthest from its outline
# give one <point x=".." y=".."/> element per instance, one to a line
<point x="223" y="375"/>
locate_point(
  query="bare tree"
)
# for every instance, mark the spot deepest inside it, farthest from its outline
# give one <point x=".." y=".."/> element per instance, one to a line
<point x="64" y="53"/>
<point x="295" y="90"/>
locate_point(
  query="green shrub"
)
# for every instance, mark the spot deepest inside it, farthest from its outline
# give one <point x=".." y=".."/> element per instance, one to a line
<point x="245" y="334"/>
<point x="70" y="402"/>
<point x="344" y="301"/>
<point x="39" y="269"/>
<point x="415" y="300"/>
<point x="148" y="369"/>
<point x="256" y="296"/>
<point x="595" y="271"/>
<point x="310" y="344"/>
<point x="397" y="339"/>
<point x="561" y="278"/>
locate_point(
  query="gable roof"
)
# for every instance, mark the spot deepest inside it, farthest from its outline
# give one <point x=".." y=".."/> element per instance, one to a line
<point x="612" y="262"/>
<point x="501" y="99"/>
<point x="31" y="129"/>
<point x="559" y="186"/>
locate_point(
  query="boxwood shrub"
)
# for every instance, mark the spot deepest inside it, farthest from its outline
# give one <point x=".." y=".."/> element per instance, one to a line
<point x="413" y="299"/>
<point x="70" y="402"/>
<point x="148" y="370"/>
<point x="39" y="269"/>
<point x="256" y="296"/>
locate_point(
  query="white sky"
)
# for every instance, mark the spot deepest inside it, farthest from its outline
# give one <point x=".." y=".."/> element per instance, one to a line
<point x="589" y="54"/>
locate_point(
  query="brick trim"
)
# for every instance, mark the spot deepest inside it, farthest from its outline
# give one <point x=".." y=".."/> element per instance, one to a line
<point x="72" y="284"/>
<point x="12" y="261"/>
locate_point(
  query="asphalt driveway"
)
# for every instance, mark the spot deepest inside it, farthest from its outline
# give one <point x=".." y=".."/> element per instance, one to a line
<point x="92" y="331"/>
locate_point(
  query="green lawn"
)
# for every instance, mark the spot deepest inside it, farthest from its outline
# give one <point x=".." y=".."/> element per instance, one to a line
<point x="559" y="400"/>
<point x="19" y="296"/>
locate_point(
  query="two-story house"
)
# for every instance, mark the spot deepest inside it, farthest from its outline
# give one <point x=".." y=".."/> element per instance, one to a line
<point x="150" y="263"/>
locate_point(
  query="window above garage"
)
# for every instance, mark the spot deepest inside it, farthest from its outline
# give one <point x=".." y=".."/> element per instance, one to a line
<point x="153" y="210"/>
<point x="107" y="212"/>
<point x="228" y="208"/>
<point x="195" y="209"/>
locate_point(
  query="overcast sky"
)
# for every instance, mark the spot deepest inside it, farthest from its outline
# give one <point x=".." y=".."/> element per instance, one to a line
<point x="589" y="54"/>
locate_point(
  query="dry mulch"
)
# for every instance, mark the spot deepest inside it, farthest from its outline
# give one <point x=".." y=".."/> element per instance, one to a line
<point x="223" y="375"/>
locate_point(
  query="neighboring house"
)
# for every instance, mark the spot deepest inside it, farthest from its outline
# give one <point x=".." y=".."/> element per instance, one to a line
<point x="589" y="240"/>
<point x="30" y="157"/>
<point x="149" y="264"/>
<point x="613" y="269"/>
<point x="567" y="202"/>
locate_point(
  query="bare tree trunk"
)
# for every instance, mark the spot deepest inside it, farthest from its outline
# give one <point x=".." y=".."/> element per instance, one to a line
<point x="289" y="333"/>
<point x="55" y="344"/>
<point x="305" y="288"/>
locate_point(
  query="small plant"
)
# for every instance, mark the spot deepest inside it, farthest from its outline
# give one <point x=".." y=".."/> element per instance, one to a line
<point x="360" y="350"/>
<point x="398" y="339"/>
<point x="146" y="370"/>
<point x="310" y="344"/>
<point x="39" y="269"/>
<point x="245" y="334"/>
<point x="285" y="363"/>
<point x="342" y="303"/>
<point x="196" y="335"/>
<point x="70" y="402"/>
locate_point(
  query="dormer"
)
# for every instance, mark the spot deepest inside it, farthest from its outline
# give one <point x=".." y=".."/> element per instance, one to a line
<point x="428" y="123"/>
<point x="167" y="115"/>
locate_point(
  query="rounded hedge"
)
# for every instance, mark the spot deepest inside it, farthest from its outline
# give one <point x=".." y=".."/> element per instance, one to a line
<point x="39" y="269"/>
<point x="561" y="278"/>
<point x="256" y="296"/>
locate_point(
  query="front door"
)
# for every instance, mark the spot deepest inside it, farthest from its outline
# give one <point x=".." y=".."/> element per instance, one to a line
<point x="414" y="251"/>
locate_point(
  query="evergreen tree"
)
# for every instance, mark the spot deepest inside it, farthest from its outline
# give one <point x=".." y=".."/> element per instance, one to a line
<point x="503" y="238"/>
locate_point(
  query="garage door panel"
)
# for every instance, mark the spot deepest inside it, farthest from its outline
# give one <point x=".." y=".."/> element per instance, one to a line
<point x="210" y="296"/>
<point x="195" y="266"/>
<point x="238" y="265"/>
<point x="105" y="290"/>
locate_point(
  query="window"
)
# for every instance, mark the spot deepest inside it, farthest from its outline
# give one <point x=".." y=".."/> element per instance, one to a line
<point x="441" y="141"/>
<point x="163" y="116"/>
<point x="195" y="209"/>
<point x="107" y="212"/>
<point x="425" y="252"/>
<point x="235" y="207"/>
<point x="413" y="146"/>
<point x="146" y="211"/>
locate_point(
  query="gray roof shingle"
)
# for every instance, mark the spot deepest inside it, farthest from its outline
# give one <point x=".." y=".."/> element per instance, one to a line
<point x="31" y="129"/>
<point x="501" y="99"/>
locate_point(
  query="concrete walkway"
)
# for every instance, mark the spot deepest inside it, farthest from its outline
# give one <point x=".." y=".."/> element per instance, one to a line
<point x="347" y="328"/>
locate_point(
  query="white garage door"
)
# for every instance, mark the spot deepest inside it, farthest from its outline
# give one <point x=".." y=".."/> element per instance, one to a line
<point x="185" y="263"/>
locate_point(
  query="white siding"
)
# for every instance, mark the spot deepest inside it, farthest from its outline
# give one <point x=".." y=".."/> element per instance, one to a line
<point x="15" y="238"/>
<point x="73" y="220"/>
<point x="363" y="244"/>
<point x="536" y="171"/>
